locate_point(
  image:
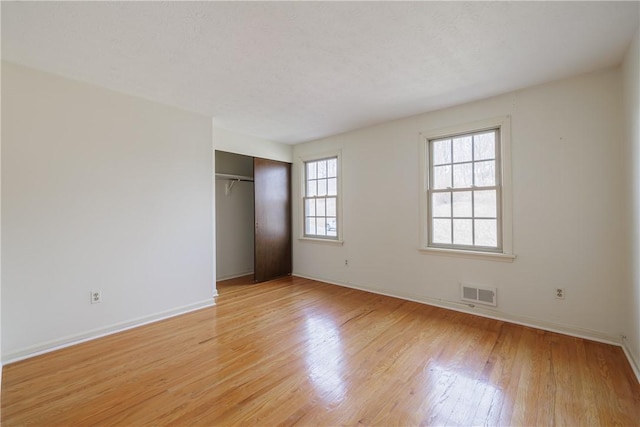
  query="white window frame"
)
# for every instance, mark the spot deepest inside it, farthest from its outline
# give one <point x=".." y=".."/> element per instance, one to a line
<point x="503" y="159"/>
<point x="302" y="179"/>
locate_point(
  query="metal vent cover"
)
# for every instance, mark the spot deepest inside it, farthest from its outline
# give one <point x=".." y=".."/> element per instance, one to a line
<point x="478" y="294"/>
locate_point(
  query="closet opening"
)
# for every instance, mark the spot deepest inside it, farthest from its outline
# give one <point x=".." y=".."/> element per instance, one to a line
<point x="253" y="217"/>
<point x="235" y="215"/>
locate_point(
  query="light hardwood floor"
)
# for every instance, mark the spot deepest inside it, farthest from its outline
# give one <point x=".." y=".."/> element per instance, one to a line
<point x="296" y="351"/>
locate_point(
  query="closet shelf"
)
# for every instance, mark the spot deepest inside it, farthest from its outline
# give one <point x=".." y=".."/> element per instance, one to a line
<point x="233" y="177"/>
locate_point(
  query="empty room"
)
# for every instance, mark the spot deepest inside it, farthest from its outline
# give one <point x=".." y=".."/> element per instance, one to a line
<point x="320" y="213"/>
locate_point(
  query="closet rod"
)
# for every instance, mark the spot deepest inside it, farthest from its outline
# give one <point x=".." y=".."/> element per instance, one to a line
<point x="234" y="177"/>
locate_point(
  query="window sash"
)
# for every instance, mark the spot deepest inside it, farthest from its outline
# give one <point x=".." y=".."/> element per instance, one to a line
<point x="473" y="217"/>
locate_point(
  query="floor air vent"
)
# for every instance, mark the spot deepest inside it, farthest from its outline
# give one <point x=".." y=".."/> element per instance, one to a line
<point x="472" y="293"/>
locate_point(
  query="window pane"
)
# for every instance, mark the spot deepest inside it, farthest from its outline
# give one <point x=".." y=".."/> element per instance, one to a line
<point x="321" y="229"/>
<point x="462" y="176"/>
<point x="462" y="149"/>
<point x="442" y="177"/>
<point x="485" y="173"/>
<point x="462" y="204"/>
<point x="441" y="204"/>
<point x="486" y="232"/>
<point x="332" y="229"/>
<point x="441" y="151"/>
<point x="441" y="231"/>
<point x="485" y="203"/>
<point x="322" y="187"/>
<point x="332" y="186"/>
<point x="462" y="232"/>
<point x="322" y="169"/>
<point x="484" y="146"/>
<point x="311" y="170"/>
<point x="320" y="207"/>
<point x="332" y="167"/>
<point x="311" y="189"/>
<point x="310" y="207"/>
<point x="331" y="206"/>
<point x="310" y="226"/>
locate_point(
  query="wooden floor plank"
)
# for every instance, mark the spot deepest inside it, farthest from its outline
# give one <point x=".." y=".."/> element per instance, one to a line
<point x="295" y="351"/>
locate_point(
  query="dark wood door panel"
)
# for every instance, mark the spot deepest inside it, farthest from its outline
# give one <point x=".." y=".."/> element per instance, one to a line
<point x="272" y="184"/>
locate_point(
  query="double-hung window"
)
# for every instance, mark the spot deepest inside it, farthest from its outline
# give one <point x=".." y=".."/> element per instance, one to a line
<point x="321" y="200"/>
<point x="467" y="207"/>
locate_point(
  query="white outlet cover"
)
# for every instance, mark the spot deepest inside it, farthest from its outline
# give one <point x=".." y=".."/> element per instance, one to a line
<point x="96" y="297"/>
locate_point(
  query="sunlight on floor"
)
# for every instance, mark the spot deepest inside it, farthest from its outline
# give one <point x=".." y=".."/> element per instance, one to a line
<point x="324" y="359"/>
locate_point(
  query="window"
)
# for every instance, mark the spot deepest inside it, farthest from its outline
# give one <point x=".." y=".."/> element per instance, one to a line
<point x="464" y="199"/>
<point x="321" y="198"/>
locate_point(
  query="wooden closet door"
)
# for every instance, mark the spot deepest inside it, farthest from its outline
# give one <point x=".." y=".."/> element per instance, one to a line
<point x="272" y="190"/>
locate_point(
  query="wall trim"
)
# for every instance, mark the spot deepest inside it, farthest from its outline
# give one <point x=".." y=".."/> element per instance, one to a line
<point x="233" y="276"/>
<point x="93" y="334"/>
<point x="635" y="364"/>
<point x="484" y="312"/>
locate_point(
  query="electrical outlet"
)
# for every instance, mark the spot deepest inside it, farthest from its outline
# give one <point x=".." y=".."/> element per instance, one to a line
<point x="559" y="293"/>
<point x="96" y="297"/>
<point x="346" y="262"/>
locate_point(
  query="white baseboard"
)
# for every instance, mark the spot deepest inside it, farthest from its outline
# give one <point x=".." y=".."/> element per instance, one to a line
<point x="68" y="341"/>
<point x="233" y="276"/>
<point x="635" y="364"/>
<point x="485" y="312"/>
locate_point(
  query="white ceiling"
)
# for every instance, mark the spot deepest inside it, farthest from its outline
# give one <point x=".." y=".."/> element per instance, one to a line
<point x="297" y="71"/>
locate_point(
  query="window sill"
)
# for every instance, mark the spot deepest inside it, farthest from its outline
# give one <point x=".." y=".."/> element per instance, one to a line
<point x="325" y="241"/>
<point x="491" y="256"/>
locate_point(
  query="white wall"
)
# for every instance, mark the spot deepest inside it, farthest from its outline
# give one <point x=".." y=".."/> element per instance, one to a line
<point x="233" y="142"/>
<point x="631" y="90"/>
<point x="567" y="220"/>
<point x="234" y="230"/>
<point x="1" y="361"/>
<point x="101" y="191"/>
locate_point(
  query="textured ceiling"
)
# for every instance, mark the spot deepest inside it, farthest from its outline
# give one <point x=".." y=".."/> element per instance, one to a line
<point x="296" y="71"/>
